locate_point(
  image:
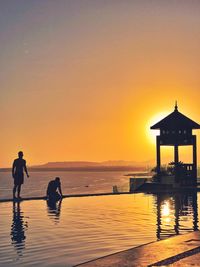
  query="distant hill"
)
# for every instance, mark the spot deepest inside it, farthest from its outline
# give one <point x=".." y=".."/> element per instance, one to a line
<point x="86" y="164"/>
<point x="67" y="164"/>
<point x="111" y="165"/>
<point x="118" y="165"/>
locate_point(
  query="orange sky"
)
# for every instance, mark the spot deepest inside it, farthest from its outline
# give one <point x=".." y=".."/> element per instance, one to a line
<point x="83" y="81"/>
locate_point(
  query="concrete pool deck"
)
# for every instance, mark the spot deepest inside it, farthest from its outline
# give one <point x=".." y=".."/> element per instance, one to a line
<point x="65" y="196"/>
<point x="182" y="250"/>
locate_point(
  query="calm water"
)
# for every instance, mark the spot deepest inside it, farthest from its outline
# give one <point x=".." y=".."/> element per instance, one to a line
<point x="72" y="182"/>
<point x="81" y="229"/>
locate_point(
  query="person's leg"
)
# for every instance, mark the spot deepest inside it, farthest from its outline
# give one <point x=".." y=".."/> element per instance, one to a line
<point x="54" y="197"/>
<point x="14" y="191"/>
<point x="18" y="190"/>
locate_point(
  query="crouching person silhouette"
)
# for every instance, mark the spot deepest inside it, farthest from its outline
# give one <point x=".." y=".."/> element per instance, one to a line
<point x="18" y="168"/>
<point x="54" y="191"/>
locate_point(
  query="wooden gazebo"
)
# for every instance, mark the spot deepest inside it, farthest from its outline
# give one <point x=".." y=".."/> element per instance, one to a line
<point x="176" y="130"/>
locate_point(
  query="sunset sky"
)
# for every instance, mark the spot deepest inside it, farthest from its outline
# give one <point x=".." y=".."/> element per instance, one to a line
<point x="85" y="79"/>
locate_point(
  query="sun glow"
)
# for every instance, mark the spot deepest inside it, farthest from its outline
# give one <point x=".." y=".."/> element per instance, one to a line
<point x="151" y="134"/>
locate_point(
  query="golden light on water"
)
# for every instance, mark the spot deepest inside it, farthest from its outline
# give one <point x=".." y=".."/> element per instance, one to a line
<point x="165" y="211"/>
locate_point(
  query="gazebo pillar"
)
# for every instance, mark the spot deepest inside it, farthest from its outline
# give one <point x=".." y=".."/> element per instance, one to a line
<point x="176" y="156"/>
<point x="176" y="161"/>
<point x="195" y="158"/>
<point x="158" y="154"/>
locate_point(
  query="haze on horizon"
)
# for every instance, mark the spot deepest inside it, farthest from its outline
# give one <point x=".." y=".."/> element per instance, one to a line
<point x="84" y="80"/>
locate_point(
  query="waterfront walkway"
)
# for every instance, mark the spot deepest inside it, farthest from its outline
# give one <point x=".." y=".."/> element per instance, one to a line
<point x="65" y="196"/>
<point x="182" y="250"/>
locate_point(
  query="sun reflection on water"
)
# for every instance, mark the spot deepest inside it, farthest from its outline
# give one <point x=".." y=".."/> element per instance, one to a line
<point x="176" y="214"/>
<point x="166" y="211"/>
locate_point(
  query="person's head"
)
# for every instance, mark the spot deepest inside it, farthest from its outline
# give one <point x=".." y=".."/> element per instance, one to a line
<point x="20" y="154"/>
<point x="57" y="179"/>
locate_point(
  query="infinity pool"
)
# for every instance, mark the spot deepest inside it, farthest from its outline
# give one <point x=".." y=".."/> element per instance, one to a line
<point x="81" y="229"/>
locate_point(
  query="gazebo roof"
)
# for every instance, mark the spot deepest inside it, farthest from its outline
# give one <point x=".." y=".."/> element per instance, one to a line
<point x="176" y="120"/>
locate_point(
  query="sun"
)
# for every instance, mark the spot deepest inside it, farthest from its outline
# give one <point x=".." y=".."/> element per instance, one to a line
<point x="151" y="134"/>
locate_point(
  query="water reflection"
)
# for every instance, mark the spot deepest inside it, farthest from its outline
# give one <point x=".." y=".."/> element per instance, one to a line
<point x="18" y="228"/>
<point x="54" y="210"/>
<point x="176" y="214"/>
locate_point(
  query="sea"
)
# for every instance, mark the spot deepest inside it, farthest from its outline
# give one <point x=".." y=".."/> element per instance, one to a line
<point x="73" y="182"/>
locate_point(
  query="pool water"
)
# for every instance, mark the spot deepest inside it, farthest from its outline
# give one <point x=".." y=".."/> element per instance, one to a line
<point x="75" y="230"/>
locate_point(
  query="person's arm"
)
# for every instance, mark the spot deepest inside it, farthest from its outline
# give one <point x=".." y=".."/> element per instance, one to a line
<point x="13" y="169"/>
<point x="60" y="190"/>
<point x="25" y="168"/>
<point x="47" y="194"/>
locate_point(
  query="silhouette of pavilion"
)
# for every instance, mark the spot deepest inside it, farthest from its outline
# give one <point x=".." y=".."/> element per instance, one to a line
<point x="176" y="130"/>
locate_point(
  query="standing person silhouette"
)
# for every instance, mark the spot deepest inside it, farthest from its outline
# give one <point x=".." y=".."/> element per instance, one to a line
<point x="18" y="168"/>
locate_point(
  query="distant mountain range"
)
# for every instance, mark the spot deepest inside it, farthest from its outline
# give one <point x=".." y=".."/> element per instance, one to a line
<point x="110" y="165"/>
<point x="86" y="164"/>
<point x="116" y="165"/>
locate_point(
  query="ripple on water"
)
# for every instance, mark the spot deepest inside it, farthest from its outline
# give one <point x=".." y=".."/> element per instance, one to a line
<point x="81" y="229"/>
